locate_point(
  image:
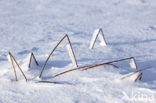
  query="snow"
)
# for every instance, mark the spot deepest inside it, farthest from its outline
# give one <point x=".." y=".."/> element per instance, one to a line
<point x="36" y="26"/>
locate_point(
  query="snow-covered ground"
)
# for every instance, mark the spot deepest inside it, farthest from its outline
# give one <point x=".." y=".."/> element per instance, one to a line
<point x="36" y="26"/>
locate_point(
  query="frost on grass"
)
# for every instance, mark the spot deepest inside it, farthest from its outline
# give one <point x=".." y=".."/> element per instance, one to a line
<point x="130" y="29"/>
<point x="133" y="64"/>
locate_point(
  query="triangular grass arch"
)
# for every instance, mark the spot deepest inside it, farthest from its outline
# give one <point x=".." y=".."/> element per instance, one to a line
<point x="72" y="51"/>
<point x="13" y="60"/>
<point x="32" y="56"/>
<point x="98" y="33"/>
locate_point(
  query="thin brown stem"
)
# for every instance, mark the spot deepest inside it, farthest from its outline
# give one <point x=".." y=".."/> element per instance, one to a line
<point x="136" y="72"/>
<point x="18" y="66"/>
<point x="13" y="67"/>
<point x="30" y="60"/>
<point x="138" y="77"/>
<point x="92" y="66"/>
<point x="72" y="50"/>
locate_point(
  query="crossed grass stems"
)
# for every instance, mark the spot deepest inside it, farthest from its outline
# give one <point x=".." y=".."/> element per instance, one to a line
<point x="13" y="60"/>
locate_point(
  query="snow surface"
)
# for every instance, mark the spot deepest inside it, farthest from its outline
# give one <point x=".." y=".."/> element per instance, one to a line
<point x="37" y="25"/>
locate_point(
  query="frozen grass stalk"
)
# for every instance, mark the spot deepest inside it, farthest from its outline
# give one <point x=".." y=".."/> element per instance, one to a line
<point x="98" y="33"/>
<point x="32" y="57"/>
<point x="93" y="66"/>
<point x="14" y="60"/>
<point x="72" y="51"/>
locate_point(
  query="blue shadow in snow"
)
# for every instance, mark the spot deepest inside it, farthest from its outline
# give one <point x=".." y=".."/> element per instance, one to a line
<point x="24" y="52"/>
<point x="3" y="59"/>
<point x="149" y="75"/>
<point x="131" y="43"/>
<point x="58" y="63"/>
